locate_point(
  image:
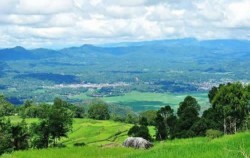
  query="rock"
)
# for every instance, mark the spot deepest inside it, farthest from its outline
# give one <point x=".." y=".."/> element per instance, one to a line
<point x="137" y="142"/>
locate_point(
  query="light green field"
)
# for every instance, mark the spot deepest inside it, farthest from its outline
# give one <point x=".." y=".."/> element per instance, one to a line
<point x="232" y="146"/>
<point x="95" y="132"/>
<point x="139" y="101"/>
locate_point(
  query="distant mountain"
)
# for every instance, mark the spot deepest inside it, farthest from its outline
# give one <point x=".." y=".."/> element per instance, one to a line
<point x="20" y="53"/>
<point x="16" y="53"/>
<point x="45" y="53"/>
<point x="188" y="47"/>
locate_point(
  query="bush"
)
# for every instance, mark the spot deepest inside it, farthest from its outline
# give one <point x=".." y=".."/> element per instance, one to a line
<point x="79" y="144"/>
<point x="212" y="134"/>
<point x="98" y="110"/>
<point x="140" y="131"/>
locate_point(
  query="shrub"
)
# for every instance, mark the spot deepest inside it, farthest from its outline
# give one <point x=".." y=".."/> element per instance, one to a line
<point x="80" y="144"/>
<point x="98" y="110"/>
<point x="140" y="131"/>
<point x="212" y="134"/>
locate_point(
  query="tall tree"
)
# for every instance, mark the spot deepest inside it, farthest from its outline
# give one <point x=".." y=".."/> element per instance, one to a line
<point x="160" y="127"/>
<point x="59" y="120"/>
<point x="20" y="136"/>
<point x="188" y="113"/>
<point x="169" y="120"/>
<point x="233" y="100"/>
<point x="40" y="134"/>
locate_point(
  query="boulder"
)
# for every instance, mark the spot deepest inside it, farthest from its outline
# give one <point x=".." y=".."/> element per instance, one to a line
<point x="137" y="142"/>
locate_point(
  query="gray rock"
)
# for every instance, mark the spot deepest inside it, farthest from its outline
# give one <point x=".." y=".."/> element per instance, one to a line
<point x="137" y="142"/>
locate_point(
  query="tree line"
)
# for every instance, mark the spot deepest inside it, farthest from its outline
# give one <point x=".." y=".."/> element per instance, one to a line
<point x="228" y="113"/>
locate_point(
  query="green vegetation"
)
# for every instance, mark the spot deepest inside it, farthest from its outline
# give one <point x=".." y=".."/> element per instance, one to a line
<point x="228" y="114"/>
<point x="98" y="110"/>
<point x="142" y="101"/>
<point x="96" y="132"/>
<point x="230" y="146"/>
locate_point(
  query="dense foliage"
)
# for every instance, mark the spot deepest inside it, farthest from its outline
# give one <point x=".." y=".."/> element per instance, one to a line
<point x="228" y="114"/>
<point x="98" y="110"/>
<point x="55" y="122"/>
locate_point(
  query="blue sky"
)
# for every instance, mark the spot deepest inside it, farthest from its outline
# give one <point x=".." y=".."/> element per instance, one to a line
<point x="62" y="23"/>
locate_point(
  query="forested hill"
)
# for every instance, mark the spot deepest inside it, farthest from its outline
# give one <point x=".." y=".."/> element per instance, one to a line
<point x="213" y="49"/>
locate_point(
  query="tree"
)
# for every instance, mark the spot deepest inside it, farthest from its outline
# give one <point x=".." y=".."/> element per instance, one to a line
<point x="143" y="121"/>
<point x="214" y="118"/>
<point x="160" y="127"/>
<point x="131" y="118"/>
<point x="5" y="136"/>
<point x="40" y="134"/>
<point x="188" y="113"/>
<point x="133" y="131"/>
<point x="44" y="110"/>
<point x="144" y="133"/>
<point x="98" y="110"/>
<point x="140" y="131"/>
<point x="13" y="136"/>
<point x="212" y="93"/>
<point x="165" y="123"/>
<point x="20" y="136"/>
<point x="56" y="122"/>
<point x="150" y="115"/>
<point x="79" y="111"/>
<point x="6" y="108"/>
<point x="200" y="127"/>
<point x="59" y="120"/>
<point x="233" y="100"/>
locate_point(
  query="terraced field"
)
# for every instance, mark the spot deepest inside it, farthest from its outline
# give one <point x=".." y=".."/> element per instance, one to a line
<point x="104" y="139"/>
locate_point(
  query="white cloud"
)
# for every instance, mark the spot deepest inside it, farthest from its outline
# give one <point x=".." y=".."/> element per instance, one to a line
<point x="43" y="6"/>
<point x="62" y="23"/>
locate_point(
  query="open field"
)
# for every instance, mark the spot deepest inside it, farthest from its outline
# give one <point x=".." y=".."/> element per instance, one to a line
<point x="140" y="101"/>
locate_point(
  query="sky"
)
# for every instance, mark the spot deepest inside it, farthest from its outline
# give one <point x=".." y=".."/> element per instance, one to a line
<point x="64" y="23"/>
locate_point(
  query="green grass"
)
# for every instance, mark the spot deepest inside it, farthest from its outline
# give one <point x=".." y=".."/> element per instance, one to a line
<point x="95" y="132"/>
<point x="139" y="101"/>
<point x="104" y="139"/>
<point x="232" y="146"/>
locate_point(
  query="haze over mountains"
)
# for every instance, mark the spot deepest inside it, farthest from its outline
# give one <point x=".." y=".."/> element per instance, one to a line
<point x="237" y="49"/>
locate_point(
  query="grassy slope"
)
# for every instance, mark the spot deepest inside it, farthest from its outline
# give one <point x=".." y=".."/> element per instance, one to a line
<point x="95" y="134"/>
<point x="228" y="146"/>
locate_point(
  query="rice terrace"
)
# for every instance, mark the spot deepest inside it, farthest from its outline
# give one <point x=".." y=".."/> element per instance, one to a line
<point x="124" y="79"/>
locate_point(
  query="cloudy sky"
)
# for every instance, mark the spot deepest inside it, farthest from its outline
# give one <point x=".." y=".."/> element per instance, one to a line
<point x="62" y="23"/>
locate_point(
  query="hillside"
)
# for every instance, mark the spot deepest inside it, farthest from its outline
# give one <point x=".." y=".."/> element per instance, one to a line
<point x="230" y="146"/>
